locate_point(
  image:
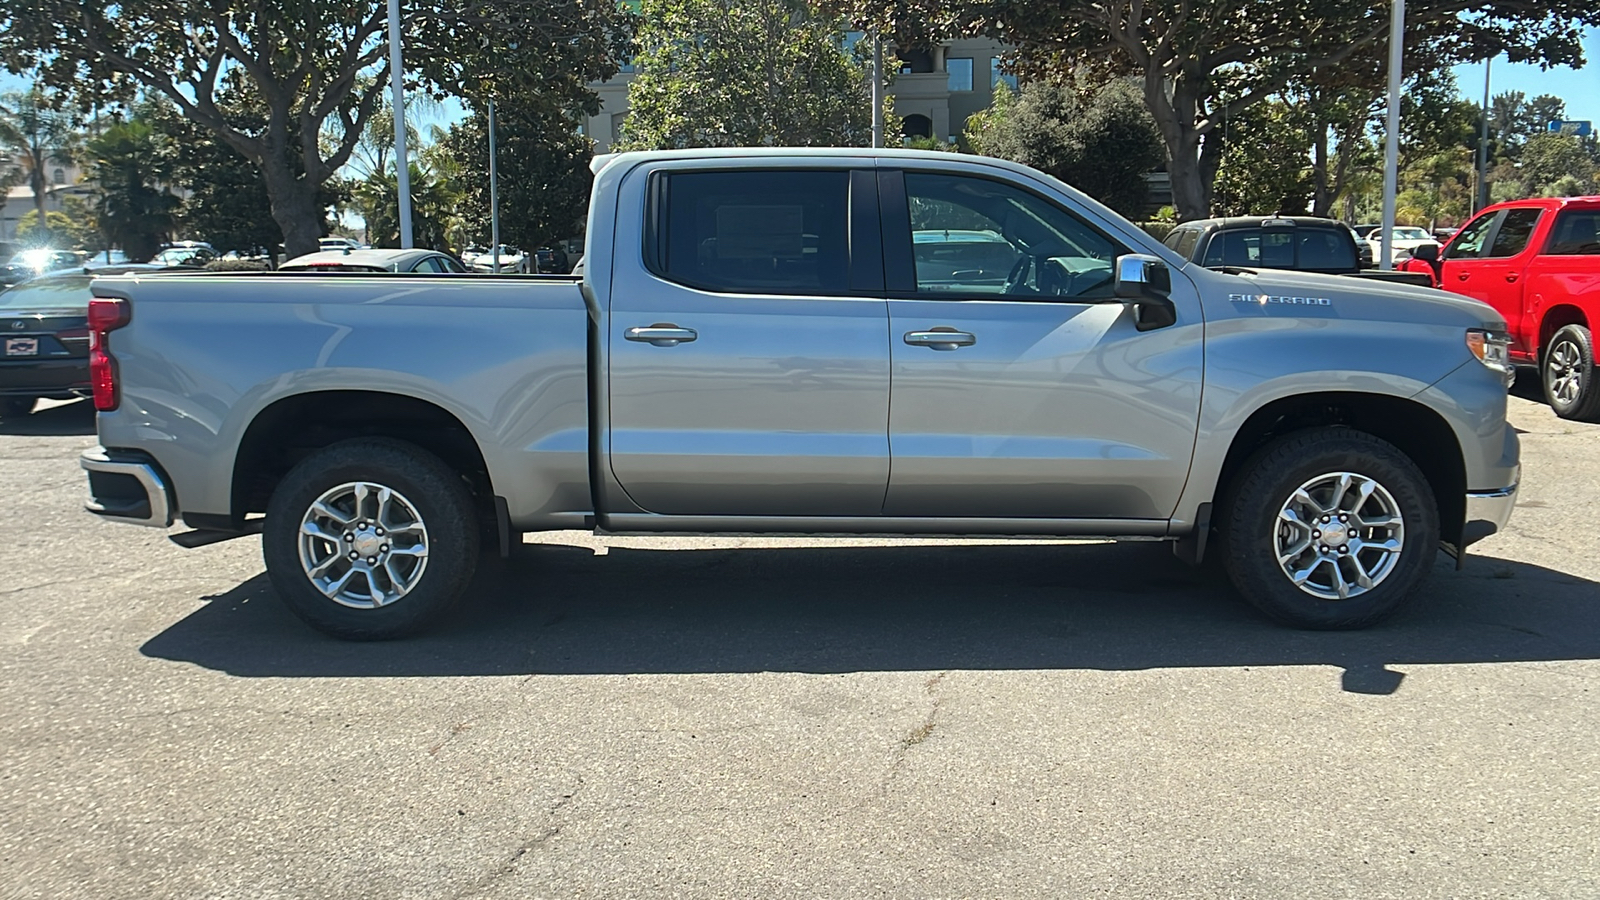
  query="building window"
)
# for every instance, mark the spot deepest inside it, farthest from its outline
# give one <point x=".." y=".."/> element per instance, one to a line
<point x="960" y="70"/>
<point x="59" y="176"/>
<point x="998" y="77"/>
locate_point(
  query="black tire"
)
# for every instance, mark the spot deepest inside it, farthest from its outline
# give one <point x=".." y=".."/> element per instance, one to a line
<point x="1567" y="372"/>
<point x="16" y="407"/>
<point x="442" y="504"/>
<point x="1252" y="529"/>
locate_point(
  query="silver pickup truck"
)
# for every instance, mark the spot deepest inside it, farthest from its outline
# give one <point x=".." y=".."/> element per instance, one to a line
<point x="810" y="342"/>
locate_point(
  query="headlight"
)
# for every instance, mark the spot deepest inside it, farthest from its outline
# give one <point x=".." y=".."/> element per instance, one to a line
<point x="1493" y="349"/>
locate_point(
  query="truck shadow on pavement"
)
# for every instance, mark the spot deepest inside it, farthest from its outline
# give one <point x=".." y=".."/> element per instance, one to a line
<point x="562" y="610"/>
<point x="69" y="419"/>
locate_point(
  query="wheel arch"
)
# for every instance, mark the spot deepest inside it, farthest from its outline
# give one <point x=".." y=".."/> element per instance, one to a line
<point x="1418" y="431"/>
<point x="1556" y="318"/>
<point x="292" y="427"/>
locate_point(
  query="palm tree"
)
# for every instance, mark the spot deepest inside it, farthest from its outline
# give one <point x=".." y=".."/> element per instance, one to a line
<point x="37" y="135"/>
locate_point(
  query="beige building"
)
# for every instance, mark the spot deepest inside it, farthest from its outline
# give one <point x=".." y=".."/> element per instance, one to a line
<point x="934" y="92"/>
<point x="63" y="181"/>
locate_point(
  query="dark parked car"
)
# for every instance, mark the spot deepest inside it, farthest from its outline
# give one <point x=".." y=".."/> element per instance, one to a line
<point x="1302" y="243"/>
<point x="44" y="341"/>
<point x="551" y="261"/>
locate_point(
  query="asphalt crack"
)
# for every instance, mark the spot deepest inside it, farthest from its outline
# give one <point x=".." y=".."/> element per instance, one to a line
<point x="508" y="866"/>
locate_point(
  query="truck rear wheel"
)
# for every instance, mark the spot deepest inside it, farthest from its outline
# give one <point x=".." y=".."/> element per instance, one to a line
<point x="1567" y="371"/>
<point x="1329" y="528"/>
<point x="370" y="539"/>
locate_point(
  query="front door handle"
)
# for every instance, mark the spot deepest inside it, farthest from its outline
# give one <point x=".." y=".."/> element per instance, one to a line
<point x="661" y="334"/>
<point x="1511" y="276"/>
<point x="1463" y="276"/>
<point x="941" y="338"/>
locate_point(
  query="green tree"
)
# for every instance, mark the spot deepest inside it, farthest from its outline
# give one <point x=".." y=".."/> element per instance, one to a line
<point x="1185" y="51"/>
<point x="68" y="227"/>
<point x="1102" y="143"/>
<point x="317" y="66"/>
<point x="38" y="135"/>
<point x="226" y="201"/>
<point x="543" y="167"/>
<point x="1266" y="163"/>
<point x="1555" y="165"/>
<point x="434" y="206"/>
<point x="729" y="73"/>
<point x="127" y="169"/>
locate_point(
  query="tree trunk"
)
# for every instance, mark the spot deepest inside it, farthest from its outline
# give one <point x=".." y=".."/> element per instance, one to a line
<point x="1321" y="195"/>
<point x="1191" y="188"/>
<point x="294" y="208"/>
<point x="41" y="231"/>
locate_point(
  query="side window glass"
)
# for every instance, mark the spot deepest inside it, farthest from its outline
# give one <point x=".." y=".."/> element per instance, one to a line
<point x="450" y="265"/>
<point x="976" y="236"/>
<point x="1323" y="249"/>
<point x="1468" y="244"/>
<point x="427" y="264"/>
<point x="1514" y="232"/>
<point x="1186" y="244"/>
<point x="1577" y="233"/>
<point x="755" y="232"/>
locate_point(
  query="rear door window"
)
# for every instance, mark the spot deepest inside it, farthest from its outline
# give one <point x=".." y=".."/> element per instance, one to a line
<point x="755" y="232"/>
<point x="1577" y="233"/>
<point x="1515" y="230"/>
<point x="1323" y="249"/>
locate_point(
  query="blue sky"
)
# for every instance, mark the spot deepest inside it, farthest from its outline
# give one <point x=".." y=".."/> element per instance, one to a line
<point x="1579" y="87"/>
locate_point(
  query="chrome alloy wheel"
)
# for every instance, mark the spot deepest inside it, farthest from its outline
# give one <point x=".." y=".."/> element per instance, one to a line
<point x="1563" y="372"/>
<point x="363" y="545"/>
<point x="1339" y="535"/>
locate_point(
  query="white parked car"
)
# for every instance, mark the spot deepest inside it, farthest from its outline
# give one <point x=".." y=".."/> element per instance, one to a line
<point x="1406" y="239"/>
<point x="511" y="260"/>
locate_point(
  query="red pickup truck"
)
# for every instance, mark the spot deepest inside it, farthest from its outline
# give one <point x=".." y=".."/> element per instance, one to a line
<point x="1537" y="262"/>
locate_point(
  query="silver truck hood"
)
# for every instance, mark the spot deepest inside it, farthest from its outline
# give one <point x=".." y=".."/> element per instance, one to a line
<point x="1367" y="298"/>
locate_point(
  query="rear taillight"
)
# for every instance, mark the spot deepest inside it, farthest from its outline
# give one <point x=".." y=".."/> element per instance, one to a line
<point x="106" y="314"/>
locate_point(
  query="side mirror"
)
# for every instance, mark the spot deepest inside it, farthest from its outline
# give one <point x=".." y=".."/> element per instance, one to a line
<point x="1428" y="253"/>
<point x="1145" y="282"/>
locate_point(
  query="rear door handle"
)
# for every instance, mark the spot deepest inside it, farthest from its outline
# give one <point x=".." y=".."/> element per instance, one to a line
<point x="661" y="334"/>
<point x="1511" y="276"/>
<point x="1463" y="276"/>
<point x="940" y="338"/>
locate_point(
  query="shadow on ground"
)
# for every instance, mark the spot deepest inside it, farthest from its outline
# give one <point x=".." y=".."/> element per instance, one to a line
<point x="556" y="609"/>
<point x="75" y="418"/>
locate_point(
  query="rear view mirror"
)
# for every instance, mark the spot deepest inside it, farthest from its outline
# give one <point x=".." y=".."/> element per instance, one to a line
<point x="1146" y="283"/>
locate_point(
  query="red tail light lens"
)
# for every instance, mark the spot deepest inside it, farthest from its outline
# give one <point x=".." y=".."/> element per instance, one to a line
<point x="106" y="314"/>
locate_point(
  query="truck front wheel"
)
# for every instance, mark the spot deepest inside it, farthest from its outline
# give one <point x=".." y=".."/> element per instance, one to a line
<point x="1329" y="528"/>
<point x="370" y="539"/>
<point x="1567" y="371"/>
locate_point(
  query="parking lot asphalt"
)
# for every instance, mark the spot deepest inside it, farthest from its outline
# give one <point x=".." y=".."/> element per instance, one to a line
<point x="685" y="717"/>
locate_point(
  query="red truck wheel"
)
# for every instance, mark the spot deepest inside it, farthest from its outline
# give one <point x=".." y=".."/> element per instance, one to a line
<point x="1567" y="372"/>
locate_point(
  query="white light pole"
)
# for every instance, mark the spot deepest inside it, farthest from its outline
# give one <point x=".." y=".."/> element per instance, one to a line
<point x="1391" y="143"/>
<point x="397" y="89"/>
<point x="494" y="196"/>
<point x="877" y="90"/>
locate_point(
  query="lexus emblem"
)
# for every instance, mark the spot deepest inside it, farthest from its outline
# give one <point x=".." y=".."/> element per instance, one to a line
<point x="18" y="325"/>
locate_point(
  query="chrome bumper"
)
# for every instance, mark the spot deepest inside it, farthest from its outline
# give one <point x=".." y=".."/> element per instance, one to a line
<point x="127" y="490"/>
<point x="1487" y="513"/>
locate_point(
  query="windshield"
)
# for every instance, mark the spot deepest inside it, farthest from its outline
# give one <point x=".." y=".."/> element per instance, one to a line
<point x="44" y="260"/>
<point x="48" y="293"/>
<point x="1411" y="234"/>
